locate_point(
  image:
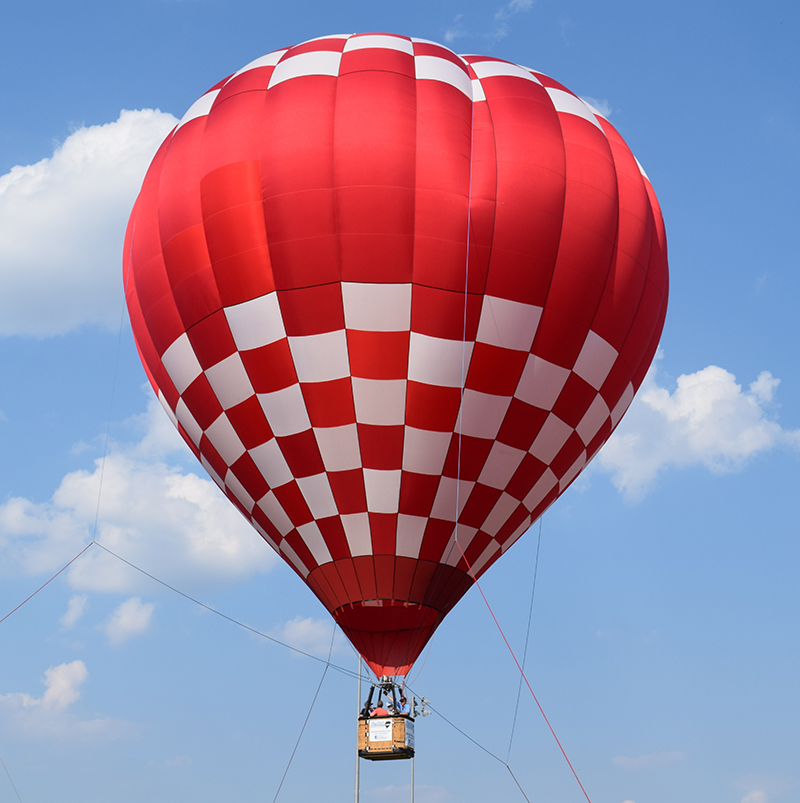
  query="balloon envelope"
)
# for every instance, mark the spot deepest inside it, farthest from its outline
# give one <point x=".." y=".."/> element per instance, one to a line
<point x="395" y="300"/>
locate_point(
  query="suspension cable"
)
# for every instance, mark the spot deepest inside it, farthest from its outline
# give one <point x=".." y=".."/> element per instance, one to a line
<point x="527" y="639"/>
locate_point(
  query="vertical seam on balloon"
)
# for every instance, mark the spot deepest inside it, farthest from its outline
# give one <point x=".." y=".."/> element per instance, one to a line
<point x="563" y="209"/>
<point x="339" y="265"/>
<point x="457" y="512"/>
<point x="440" y="565"/>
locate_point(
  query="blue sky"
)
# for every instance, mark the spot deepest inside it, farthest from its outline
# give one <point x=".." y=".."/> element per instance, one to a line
<point x="664" y="638"/>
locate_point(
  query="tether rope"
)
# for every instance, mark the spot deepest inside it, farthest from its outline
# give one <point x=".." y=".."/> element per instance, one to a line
<point x="65" y="566"/>
<point x="328" y="664"/>
<point x="10" y="779"/>
<point x="308" y="716"/>
<point x="527" y="639"/>
<point x="524" y="677"/>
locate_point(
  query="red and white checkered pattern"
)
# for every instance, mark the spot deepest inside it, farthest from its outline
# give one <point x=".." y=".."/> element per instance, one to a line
<point x="393" y="297"/>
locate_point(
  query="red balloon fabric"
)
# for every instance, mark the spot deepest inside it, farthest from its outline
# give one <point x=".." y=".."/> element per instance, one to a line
<point x="394" y="299"/>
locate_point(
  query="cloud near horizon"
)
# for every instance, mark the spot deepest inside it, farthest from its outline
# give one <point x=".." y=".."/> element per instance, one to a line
<point x="64" y="221"/>
<point x="49" y="716"/>
<point x="708" y="420"/>
<point x="153" y="512"/>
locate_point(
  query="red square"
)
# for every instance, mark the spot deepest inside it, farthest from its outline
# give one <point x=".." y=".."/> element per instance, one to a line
<point x="440" y="313"/>
<point x="312" y="310"/>
<point x="495" y="370"/>
<point x="348" y="491"/>
<point x="378" y="355"/>
<point x="417" y="493"/>
<point x="329" y="404"/>
<point x="246" y="471"/>
<point x="472" y="453"/>
<point x="302" y="454"/>
<point x="431" y="406"/>
<point x="212" y="340"/>
<point x="250" y="423"/>
<point x="270" y="368"/>
<point x="293" y="503"/>
<point x="202" y="402"/>
<point x="521" y="425"/>
<point x="381" y="446"/>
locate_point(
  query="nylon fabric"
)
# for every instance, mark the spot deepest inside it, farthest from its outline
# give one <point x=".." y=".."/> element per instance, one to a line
<point x="297" y="296"/>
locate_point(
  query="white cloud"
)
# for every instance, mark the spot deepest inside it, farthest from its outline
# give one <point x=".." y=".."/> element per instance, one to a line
<point x="649" y="760"/>
<point x="310" y="635"/>
<point x="49" y="715"/>
<point x="761" y="787"/>
<point x="75" y="610"/>
<point x="170" y="522"/>
<point x="502" y="26"/>
<point x="707" y="420"/>
<point x="64" y="221"/>
<point x="131" y="618"/>
<point x="455" y="30"/>
<point x="399" y="794"/>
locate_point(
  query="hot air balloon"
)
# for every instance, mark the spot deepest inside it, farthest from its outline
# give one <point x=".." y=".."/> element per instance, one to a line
<point x="395" y="300"/>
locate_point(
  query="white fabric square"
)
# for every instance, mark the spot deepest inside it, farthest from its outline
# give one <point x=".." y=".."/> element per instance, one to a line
<point x="596" y="359"/>
<point x="453" y="552"/>
<point x="492" y="548"/>
<point x="622" y="405"/>
<point x="339" y="447"/>
<point x="313" y="539"/>
<point x="224" y="439"/>
<point x="379" y="40"/>
<point x="211" y="472"/>
<point x="181" y="363"/>
<point x="356" y="530"/>
<point x="237" y="489"/>
<point x="270" y="60"/>
<point x="593" y="419"/>
<point x="316" y="62"/>
<point x="501" y="512"/>
<point x="274" y="511"/>
<point x="379" y="401"/>
<point x="271" y="463"/>
<point x="541" y="383"/>
<point x="230" y="382"/>
<point x="567" y="103"/>
<point x="187" y="421"/>
<point x="383" y="490"/>
<point x="317" y="492"/>
<point x="436" y="361"/>
<point x="320" y="358"/>
<point x="256" y="323"/>
<point x="482" y="414"/>
<point x="477" y="91"/>
<point x="493" y="68"/>
<point x="285" y="410"/>
<point x="294" y="559"/>
<point x="167" y="409"/>
<point x="552" y="436"/>
<point x="451" y="492"/>
<point x="508" y="324"/>
<point x="432" y="68"/>
<point x="500" y="465"/>
<point x="424" y="451"/>
<point x="543" y="486"/>
<point x="377" y="307"/>
<point x="200" y="108"/>
<point x="572" y="471"/>
<point x="410" y="530"/>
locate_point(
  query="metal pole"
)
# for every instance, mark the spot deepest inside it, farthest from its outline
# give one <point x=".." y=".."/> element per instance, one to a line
<point x="412" y="779"/>
<point x="358" y="709"/>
